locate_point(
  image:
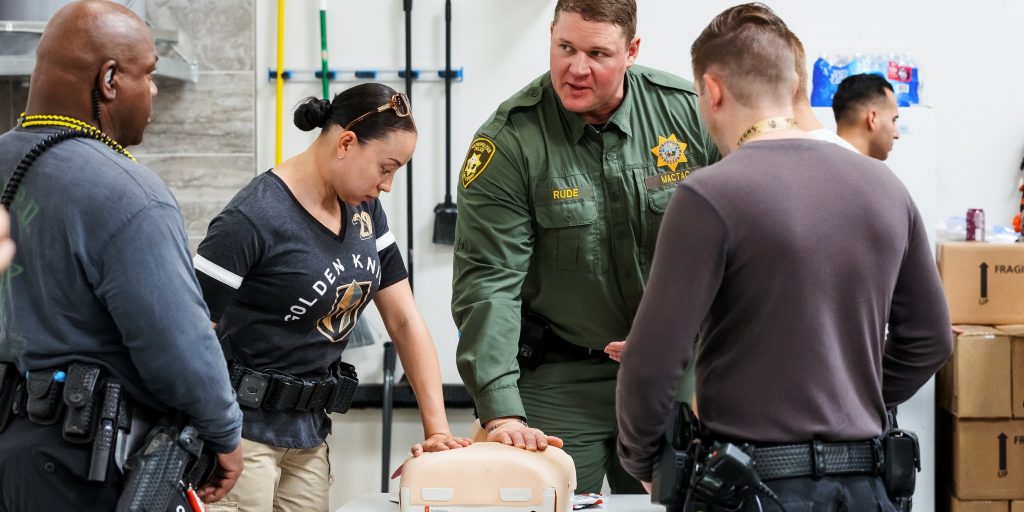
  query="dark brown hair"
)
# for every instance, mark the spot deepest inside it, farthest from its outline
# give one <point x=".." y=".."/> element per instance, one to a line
<point x="621" y="13"/>
<point x="349" y="104"/>
<point x="751" y="48"/>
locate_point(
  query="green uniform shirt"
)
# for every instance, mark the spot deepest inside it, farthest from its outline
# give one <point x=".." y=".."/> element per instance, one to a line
<point x="560" y="217"/>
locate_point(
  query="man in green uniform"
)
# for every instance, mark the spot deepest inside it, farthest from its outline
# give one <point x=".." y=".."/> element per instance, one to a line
<point x="561" y="196"/>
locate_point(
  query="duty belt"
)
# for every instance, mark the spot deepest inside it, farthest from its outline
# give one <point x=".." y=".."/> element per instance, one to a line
<point x="278" y="391"/>
<point x="537" y="340"/>
<point x="94" y="410"/>
<point x="818" y="459"/>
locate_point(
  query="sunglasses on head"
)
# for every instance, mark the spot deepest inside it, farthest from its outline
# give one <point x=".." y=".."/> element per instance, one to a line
<point x="399" y="103"/>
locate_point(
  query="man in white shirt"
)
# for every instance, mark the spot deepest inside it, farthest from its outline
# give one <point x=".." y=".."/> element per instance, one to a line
<point x="866" y="113"/>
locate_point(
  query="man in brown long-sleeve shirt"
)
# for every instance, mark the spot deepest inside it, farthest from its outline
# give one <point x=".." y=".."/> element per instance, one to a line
<point x="790" y="257"/>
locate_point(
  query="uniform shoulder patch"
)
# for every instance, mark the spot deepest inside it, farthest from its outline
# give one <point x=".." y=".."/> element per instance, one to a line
<point x="527" y="97"/>
<point x="480" y="153"/>
<point x="665" y="79"/>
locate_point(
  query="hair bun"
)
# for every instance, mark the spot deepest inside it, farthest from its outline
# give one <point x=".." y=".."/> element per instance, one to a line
<point x="312" y="113"/>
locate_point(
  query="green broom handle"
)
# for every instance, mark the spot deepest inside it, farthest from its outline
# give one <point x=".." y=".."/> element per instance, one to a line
<point x="323" y="50"/>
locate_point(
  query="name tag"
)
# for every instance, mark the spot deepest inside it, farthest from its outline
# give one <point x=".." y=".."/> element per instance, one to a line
<point x="668" y="179"/>
<point x="564" y="194"/>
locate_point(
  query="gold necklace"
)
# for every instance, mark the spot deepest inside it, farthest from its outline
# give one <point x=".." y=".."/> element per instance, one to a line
<point x="772" y="124"/>
<point x="75" y="124"/>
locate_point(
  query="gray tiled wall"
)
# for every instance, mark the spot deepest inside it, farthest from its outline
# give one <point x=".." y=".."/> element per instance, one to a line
<point x="6" y="118"/>
<point x="218" y="33"/>
<point x="201" y="140"/>
<point x="13" y="94"/>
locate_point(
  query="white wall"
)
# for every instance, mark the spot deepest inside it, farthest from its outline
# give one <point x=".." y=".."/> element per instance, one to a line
<point x="966" y="52"/>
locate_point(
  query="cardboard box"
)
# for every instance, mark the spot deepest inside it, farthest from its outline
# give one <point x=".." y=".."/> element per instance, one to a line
<point x="1016" y="368"/>
<point x="975" y="382"/>
<point x="958" y="505"/>
<point x="984" y="282"/>
<point x="981" y="459"/>
<point x="1018" y="378"/>
<point x="1017" y="506"/>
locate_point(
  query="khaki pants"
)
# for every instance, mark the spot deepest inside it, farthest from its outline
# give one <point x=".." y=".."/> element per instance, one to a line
<point x="279" y="479"/>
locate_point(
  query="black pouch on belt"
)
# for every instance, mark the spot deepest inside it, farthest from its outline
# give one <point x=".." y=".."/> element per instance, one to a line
<point x="901" y="464"/>
<point x="344" y="390"/>
<point x="532" y="349"/>
<point x="45" y="403"/>
<point x="80" y="397"/>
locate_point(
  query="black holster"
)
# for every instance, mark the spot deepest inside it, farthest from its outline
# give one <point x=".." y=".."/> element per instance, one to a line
<point x="671" y="477"/>
<point x="532" y="349"/>
<point x="901" y="464"/>
<point x="157" y="476"/>
<point x="537" y="340"/>
<point x="344" y="389"/>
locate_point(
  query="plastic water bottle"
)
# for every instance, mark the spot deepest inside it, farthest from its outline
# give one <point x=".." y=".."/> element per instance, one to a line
<point x="828" y="73"/>
<point x="902" y="74"/>
<point x="899" y="69"/>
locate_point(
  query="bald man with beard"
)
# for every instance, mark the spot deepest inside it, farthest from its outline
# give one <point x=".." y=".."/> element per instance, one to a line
<point x="102" y="276"/>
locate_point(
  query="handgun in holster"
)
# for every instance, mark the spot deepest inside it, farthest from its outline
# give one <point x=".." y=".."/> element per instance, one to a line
<point x="671" y="476"/>
<point x="532" y="348"/>
<point x="170" y="464"/>
<point x="345" y="388"/>
<point x="902" y="462"/>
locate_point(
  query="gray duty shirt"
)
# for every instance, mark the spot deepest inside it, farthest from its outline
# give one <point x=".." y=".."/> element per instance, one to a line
<point x="790" y="258"/>
<point x="103" y="275"/>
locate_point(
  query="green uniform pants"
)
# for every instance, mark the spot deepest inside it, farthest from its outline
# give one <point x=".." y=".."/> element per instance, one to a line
<point x="575" y="400"/>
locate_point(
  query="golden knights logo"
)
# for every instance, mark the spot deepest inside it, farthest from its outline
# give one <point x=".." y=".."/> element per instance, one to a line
<point x="365" y="224"/>
<point x="339" y="322"/>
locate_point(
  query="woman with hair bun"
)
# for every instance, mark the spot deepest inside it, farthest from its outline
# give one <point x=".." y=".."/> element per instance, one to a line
<point x="286" y="270"/>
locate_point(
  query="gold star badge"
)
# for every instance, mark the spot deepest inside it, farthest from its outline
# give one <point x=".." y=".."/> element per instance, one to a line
<point x="669" y="151"/>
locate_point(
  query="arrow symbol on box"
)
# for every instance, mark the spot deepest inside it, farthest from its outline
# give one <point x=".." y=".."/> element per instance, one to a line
<point x="1002" y="454"/>
<point x="984" y="283"/>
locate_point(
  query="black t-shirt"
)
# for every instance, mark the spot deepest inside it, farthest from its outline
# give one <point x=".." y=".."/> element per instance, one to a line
<point x="285" y="291"/>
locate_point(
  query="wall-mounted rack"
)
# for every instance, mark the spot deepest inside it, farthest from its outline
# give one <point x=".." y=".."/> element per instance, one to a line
<point x="359" y="75"/>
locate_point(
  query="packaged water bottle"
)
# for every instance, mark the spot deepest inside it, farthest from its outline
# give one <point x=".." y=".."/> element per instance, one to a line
<point x="828" y="73"/>
<point x="821" y="88"/>
<point x="902" y="74"/>
<point x="899" y="69"/>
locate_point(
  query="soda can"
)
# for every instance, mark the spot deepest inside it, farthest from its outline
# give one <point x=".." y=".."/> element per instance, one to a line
<point x="975" y="225"/>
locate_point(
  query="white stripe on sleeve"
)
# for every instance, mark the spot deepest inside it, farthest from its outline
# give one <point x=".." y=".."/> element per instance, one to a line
<point x="219" y="273"/>
<point x="385" y="240"/>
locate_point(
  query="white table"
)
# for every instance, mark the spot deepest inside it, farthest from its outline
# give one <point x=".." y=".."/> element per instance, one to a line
<point x="614" y="503"/>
